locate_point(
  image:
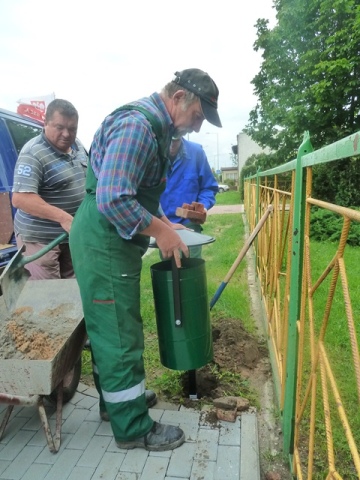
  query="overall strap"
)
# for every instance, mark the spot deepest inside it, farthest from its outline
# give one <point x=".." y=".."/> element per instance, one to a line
<point x="154" y="122"/>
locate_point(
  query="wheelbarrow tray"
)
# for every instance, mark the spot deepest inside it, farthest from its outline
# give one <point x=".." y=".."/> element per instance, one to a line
<point x="53" y="307"/>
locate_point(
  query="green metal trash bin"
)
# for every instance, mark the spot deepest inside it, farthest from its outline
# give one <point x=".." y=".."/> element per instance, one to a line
<point x="185" y="343"/>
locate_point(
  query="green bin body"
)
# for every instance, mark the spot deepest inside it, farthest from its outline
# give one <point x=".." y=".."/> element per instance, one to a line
<point x="189" y="345"/>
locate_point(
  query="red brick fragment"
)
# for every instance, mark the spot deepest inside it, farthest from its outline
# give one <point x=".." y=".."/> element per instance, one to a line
<point x="226" y="415"/>
<point x="191" y="214"/>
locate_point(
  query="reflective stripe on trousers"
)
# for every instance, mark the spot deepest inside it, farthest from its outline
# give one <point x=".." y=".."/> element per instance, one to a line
<point x="122" y="395"/>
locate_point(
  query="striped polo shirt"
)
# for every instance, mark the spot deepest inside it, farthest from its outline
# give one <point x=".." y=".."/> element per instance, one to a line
<point x="57" y="177"/>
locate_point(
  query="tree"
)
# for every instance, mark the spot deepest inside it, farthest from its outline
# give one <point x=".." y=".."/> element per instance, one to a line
<point x="309" y="77"/>
<point x="234" y="156"/>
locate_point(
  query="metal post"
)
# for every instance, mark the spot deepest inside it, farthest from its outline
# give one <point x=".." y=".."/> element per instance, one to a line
<point x="295" y="295"/>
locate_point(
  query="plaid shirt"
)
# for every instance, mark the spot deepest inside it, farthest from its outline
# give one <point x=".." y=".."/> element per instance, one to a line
<point x="124" y="158"/>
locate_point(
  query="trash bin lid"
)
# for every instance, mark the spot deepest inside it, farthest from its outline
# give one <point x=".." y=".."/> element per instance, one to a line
<point x="190" y="238"/>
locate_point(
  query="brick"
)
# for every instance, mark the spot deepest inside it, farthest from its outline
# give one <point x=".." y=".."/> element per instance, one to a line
<point x="225" y="403"/>
<point x="226" y="415"/>
<point x="190" y="214"/>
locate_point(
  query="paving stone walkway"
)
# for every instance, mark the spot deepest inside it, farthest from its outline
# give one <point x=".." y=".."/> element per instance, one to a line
<point x="220" y="451"/>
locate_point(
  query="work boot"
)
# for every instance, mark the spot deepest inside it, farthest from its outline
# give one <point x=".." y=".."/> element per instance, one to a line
<point x="150" y="398"/>
<point x="160" y="438"/>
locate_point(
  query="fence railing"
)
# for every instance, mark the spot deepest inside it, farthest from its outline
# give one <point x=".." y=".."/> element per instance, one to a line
<point x="310" y="317"/>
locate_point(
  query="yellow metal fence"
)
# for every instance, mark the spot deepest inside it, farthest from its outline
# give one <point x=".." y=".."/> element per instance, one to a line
<point x="313" y="332"/>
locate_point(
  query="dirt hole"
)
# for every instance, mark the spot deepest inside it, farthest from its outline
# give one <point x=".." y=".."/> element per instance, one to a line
<point x="237" y="353"/>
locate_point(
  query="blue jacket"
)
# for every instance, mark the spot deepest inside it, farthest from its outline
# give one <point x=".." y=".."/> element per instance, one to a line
<point x="189" y="179"/>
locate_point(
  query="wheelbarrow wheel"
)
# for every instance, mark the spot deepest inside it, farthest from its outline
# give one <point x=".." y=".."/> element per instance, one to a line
<point x="71" y="382"/>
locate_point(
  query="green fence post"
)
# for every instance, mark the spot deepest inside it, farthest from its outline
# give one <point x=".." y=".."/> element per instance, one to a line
<point x="295" y="296"/>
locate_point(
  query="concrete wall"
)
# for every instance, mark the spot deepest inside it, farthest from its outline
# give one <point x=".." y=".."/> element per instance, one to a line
<point x="246" y="148"/>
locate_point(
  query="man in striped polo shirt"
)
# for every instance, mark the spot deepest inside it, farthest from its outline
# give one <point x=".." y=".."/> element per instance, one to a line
<point x="49" y="185"/>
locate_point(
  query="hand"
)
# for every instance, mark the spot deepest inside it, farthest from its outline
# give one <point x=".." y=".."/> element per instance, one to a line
<point x="170" y="244"/>
<point x="66" y="222"/>
<point x="200" y="222"/>
<point x="178" y="226"/>
<point x="177" y="258"/>
<point x="168" y="241"/>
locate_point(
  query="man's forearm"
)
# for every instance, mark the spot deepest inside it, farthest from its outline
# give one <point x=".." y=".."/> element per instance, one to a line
<point x="33" y="204"/>
<point x="157" y="227"/>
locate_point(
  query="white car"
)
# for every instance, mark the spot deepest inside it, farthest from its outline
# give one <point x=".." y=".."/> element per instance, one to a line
<point x="222" y="187"/>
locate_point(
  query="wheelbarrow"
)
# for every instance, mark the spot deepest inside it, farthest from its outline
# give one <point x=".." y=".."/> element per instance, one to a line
<point x="43" y="334"/>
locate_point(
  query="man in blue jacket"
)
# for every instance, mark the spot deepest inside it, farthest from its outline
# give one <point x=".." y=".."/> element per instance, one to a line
<point x="189" y="179"/>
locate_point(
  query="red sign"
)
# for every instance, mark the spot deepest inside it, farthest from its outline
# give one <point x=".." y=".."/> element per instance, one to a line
<point x="31" y="112"/>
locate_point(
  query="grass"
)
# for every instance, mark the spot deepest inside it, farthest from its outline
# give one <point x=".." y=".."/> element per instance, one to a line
<point x="338" y="349"/>
<point x="337" y="343"/>
<point x="232" y="197"/>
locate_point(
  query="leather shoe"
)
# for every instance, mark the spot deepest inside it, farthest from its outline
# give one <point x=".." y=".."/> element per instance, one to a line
<point x="150" y="398"/>
<point x="160" y="438"/>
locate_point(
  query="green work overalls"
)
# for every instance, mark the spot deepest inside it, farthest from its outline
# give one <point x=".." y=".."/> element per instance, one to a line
<point x="108" y="269"/>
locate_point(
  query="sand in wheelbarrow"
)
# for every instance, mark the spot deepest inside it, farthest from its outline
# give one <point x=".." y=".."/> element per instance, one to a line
<point x="24" y="337"/>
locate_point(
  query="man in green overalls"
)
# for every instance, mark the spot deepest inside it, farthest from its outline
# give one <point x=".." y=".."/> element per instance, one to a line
<point x="110" y="234"/>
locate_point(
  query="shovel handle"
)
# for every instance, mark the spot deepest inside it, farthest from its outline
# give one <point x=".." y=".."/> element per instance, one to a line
<point x="44" y="250"/>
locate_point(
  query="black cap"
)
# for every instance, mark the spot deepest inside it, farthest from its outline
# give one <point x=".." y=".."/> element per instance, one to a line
<point x="203" y="86"/>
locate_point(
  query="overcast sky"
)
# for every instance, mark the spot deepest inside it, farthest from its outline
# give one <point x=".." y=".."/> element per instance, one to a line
<point x="102" y="54"/>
